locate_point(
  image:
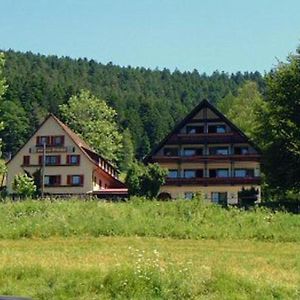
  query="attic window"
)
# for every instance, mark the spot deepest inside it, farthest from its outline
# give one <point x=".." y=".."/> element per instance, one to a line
<point x="217" y="129"/>
<point x="58" y="140"/>
<point x="194" y="129"/>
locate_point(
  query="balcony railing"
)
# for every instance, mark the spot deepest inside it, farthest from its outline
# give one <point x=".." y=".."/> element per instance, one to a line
<point x="204" y="181"/>
<point x="206" y="158"/>
<point x="209" y="138"/>
<point x="52" y="149"/>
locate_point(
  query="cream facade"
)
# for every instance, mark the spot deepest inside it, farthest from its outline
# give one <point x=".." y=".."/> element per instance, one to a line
<point x="207" y="154"/>
<point x="71" y="166"/>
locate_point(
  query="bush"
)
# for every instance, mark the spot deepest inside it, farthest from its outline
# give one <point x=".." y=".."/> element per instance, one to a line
<point x="145" y="181"/>
<point x="24" y="185"/>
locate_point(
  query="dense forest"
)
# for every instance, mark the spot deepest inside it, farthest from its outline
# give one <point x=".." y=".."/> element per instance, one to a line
<point x="148" y="102"/>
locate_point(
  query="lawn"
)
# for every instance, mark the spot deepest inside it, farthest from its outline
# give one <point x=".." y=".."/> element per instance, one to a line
<point x="147" y="268"/>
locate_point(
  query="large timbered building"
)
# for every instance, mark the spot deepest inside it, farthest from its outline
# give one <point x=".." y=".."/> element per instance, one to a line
<point x="205" y="153"/>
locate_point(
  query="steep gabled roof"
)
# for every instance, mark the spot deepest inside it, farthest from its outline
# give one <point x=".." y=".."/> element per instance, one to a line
<point x="203" y="104"/>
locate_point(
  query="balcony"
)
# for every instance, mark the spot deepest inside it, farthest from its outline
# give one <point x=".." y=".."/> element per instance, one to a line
<point x="206" y="158"/>
<point x="52" y="149"/>
<point x="206" y="138"/>
<point x="205" y="181"/>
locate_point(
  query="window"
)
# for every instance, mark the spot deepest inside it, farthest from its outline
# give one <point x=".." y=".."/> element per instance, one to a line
<point x="26" y="160"/>
<point x="75" y="179"/>
<point x="217" y="129"/>
<point x="222" y="173"/>
<point x="243" y="173"/>
<point x="41" y="140"/>
<point x="219" y="151"/>
<point x="219" y="198"/>
<point x="192" y="151"/>
<point x="51" y="159"/>
<point x="241" y="150"/>
<point x="193" y="173"/>
<point x="194" y="129"/>
<point x="218" y="173"/>
<point x="171" y="152"/>
<point x="58" y="140"/>
<point x="188" y="195"/>
<point x="173" y="174"/>
<point x="52" y="180"/>
<point x="73" y="159"/>
<point x="189" y="173"/>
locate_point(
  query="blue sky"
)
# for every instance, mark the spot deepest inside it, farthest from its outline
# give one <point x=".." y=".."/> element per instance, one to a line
<point x="228" y="35"/>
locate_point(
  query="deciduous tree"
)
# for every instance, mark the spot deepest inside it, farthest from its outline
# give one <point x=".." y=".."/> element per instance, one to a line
<point x="95" y="122"/>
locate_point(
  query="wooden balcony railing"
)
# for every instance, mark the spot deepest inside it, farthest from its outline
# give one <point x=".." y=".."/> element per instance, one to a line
<point x="206" y="158"/>
<point x="209" y="138"/>
<point x="205" y="181"/>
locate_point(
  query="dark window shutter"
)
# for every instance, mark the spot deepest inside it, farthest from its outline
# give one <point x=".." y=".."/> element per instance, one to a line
<point x="62" y="140"/>
<point x="38" y="140"/>
<point x="58" y="179"/>
<point x="68" y="159"/>
<point x="81" y="179"/>
<point x="58" y="159"/>
<point x="51" y="138"/>
<point x="68" y="179"/>
<point x="78" y="158"/>
<point x="40" y="159"/>
<point x="26" y="160"/>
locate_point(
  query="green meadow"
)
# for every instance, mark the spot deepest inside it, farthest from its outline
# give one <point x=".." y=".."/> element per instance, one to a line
<point x="147" y="250"/>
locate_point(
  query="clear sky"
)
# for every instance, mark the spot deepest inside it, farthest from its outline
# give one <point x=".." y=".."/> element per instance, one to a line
<point x="208" y="35"/>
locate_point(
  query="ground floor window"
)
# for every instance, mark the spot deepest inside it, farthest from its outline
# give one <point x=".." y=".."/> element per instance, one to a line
<point x="219" y="197"/>
<point x="75" y="180"/>
<point x="188" y="195"/>
<point x="52" y="180"/>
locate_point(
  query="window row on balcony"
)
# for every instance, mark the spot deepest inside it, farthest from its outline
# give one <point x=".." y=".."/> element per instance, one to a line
<point x="213" y="173"/>
<point x="53" y="160"/>
<point x="194" y="151"/>
<point x="200" y="129"/>
<point x="71" y="180"/>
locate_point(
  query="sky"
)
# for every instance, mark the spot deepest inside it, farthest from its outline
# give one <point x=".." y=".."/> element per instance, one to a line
<point x="207" y="35"/>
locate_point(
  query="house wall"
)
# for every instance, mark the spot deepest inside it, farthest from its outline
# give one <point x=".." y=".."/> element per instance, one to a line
<point x="178" y="192"/>
<point x="51" y="127"/>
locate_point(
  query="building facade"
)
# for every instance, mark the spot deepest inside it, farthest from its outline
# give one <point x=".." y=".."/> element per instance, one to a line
<point x="207" y="154"/>
<point x="69" y="166"/>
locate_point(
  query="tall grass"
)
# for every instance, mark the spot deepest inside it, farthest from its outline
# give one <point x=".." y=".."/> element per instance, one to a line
<point x="179" y="219"/>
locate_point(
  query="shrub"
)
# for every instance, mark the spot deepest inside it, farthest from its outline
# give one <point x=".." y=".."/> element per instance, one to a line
<point x="24" y="185"/>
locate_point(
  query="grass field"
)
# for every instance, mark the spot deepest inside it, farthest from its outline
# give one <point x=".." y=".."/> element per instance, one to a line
<point x="146" y="268"/>
<point x="182" y="250"/>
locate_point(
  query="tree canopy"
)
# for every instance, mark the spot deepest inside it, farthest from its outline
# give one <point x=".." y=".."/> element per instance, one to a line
<point x="280" y="130"/>
<point x="95" y="122"/>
